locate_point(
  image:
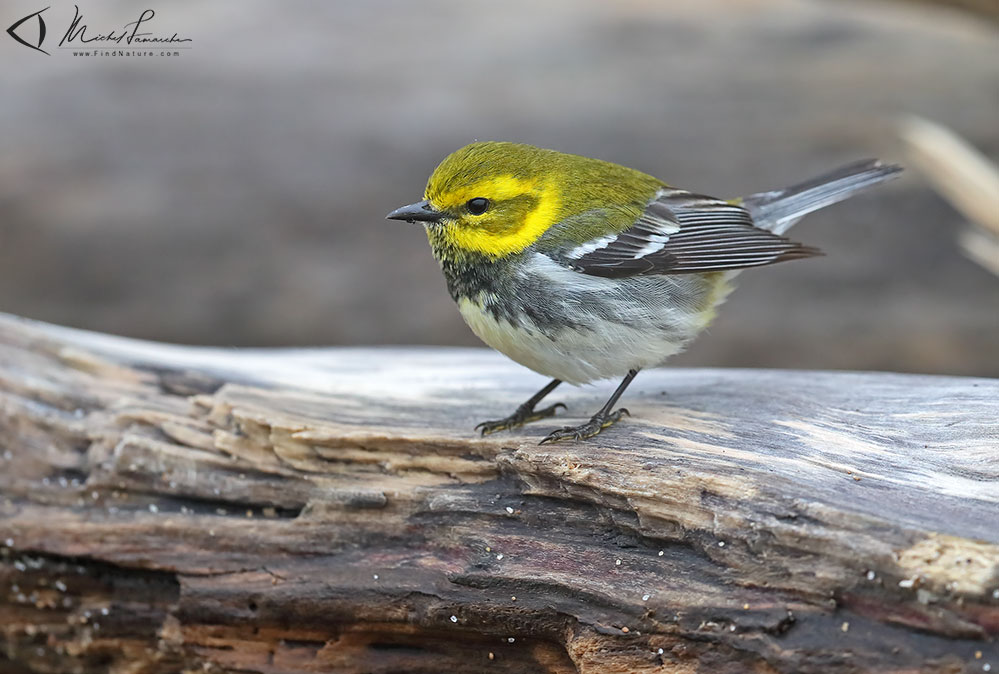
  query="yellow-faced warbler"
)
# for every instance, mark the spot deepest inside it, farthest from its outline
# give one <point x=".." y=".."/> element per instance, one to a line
<point x="580" y="269"/>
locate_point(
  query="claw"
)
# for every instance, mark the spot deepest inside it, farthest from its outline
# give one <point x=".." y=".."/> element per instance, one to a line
<point x="519" y="418"/>
<point x="592" y="427"/>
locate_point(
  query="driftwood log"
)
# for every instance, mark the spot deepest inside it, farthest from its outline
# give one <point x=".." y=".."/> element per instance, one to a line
<point x="169" y="508"/>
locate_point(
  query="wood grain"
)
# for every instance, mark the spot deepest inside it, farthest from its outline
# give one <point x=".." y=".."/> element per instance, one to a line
<point x="175" y="508"/>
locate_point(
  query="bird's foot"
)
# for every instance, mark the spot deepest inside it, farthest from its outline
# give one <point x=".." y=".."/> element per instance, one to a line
<point x="599" y="422"/>
<point x="523" y="415"/>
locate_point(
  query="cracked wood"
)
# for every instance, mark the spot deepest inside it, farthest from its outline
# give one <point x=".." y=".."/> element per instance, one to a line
<point x="168" y="508"/>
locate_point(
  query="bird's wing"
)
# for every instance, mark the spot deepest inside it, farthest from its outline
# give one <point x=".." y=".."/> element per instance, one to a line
<point x="681" y="233"/>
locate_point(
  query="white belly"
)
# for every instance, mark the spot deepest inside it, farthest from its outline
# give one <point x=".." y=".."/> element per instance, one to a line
<point x="574" y="356"/>
<point x="608" y="327"/>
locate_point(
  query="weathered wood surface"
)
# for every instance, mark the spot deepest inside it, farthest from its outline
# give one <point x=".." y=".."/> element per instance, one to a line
<point x="168" y="508"/>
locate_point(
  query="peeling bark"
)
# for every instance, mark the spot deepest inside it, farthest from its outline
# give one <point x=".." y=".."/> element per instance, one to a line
<point x="169" y="508"/>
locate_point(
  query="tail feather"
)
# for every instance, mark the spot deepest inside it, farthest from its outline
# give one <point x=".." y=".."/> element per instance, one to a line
<point x="778" y="210"/>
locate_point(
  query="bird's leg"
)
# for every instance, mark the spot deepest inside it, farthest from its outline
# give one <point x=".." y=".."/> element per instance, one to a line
<point x="525" y="413"/>
<point x="598" y="421"/>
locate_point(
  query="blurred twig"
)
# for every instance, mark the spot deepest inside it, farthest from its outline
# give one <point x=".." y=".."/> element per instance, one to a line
<point x="965" y="177"/>
<point x="988" y="9"/>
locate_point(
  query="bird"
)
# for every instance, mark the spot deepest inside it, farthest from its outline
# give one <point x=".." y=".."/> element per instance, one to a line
<point x="582" y="270"/>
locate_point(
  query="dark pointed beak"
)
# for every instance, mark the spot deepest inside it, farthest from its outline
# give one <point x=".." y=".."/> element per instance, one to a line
<point x="421" y="211"/>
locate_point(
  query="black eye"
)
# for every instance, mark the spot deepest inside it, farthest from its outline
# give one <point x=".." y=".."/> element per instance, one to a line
<point x="478" y="205"/>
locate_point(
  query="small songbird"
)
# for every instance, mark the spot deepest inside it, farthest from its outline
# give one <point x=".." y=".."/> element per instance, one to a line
<point x="582" y="270"/>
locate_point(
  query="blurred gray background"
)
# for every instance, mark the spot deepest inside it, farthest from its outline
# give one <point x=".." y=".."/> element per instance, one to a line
<point x="235" y="195"/>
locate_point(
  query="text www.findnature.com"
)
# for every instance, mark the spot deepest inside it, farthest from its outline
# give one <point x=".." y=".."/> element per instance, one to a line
<point x="125" y="52"/>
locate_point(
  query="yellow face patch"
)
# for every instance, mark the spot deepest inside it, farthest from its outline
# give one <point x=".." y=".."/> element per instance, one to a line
<point x="496" y="188"/>
<point x="495" y="233"/>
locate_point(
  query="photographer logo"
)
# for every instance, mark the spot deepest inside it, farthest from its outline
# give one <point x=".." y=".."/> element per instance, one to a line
<point x="135" y="38"/>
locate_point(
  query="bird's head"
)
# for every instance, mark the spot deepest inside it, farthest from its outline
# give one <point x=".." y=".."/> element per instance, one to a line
<point x="495" y="199"/>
